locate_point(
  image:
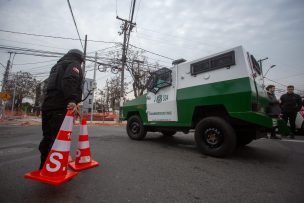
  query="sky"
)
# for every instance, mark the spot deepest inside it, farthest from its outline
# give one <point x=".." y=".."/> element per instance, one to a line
<point x="173" y="28"/>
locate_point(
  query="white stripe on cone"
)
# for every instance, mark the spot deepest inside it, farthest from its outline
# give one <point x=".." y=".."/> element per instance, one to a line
<point x="83" y="145"/>
<point x="83" y="130"/>
<point x="67" y="124"/>
<point x="61" y="146"/>
<point x="84" y="159"/>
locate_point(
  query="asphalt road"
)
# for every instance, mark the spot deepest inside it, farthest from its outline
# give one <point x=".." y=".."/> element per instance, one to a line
<point x="157" y="169"/>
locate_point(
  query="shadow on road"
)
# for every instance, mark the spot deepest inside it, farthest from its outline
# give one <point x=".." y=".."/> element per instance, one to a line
<point x="261" y="153"/>
<point x="173" y="141"/>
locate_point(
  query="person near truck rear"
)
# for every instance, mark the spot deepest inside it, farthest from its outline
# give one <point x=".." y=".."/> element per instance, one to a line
<point x="291" y="103"/>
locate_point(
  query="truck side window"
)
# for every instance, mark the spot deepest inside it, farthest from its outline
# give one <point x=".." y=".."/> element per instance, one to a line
<point x="217" y="62"/>
<point x="159" y="79"/>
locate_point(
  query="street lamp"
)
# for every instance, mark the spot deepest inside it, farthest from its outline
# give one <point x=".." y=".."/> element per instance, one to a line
<point x="268" y="70"/>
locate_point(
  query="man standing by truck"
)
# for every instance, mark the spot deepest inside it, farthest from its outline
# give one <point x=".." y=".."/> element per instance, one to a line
<point x="291" y="103"/>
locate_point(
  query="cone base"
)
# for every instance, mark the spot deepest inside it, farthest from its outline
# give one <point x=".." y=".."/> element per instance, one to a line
<point x="35" y="175"/>
<point x="80" y="167"/>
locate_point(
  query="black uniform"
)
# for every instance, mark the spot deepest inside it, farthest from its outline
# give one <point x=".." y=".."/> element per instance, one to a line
<point x="64" y="86"/>
<point x="291" y="104"/>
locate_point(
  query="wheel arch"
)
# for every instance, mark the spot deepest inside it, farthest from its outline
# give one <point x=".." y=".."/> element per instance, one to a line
<point x="201" y="112"/>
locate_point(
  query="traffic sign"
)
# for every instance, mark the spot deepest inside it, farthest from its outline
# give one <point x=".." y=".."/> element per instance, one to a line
<point x="5" y="96"/>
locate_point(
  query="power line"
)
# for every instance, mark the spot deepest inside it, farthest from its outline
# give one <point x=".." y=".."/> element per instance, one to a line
<point x="116" y="8"/>
<point x="52" y="36"/>
<point x="137" y="10"/>
<point x="68" y="38"/>
<point x="75" y="23"/>
<point x="291" y="76"/>
<point x="280" y="83"/>
<point x="151" y="52"/>
<point x="29" y="50"/>
<point x="32" y="44"/>
<point x="21" y="64"/>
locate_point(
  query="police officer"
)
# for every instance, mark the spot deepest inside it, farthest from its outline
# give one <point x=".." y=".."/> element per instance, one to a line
<point x="64" y="91"/>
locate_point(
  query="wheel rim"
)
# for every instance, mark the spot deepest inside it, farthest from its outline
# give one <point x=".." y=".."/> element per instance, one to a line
<point x="135" y="127"/>
<point x="213" y="137"/>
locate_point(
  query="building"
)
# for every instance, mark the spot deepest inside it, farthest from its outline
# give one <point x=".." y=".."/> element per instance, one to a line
<point x="87" y="104"/>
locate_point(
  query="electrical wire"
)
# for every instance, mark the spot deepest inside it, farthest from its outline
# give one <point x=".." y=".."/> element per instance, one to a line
<point x="75" y="24"/>
<point x="151" y="52"/>
<point x="54" y="37"/>
<point x="22" y="64"/>
<point x="32" y="44"/>
<point x="280" y="83"/>
<point x="137" y="10"/>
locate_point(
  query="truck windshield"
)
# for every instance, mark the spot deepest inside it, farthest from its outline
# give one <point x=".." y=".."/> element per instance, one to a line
<point x="159" y="79"/>
<point x="256" y="65"/>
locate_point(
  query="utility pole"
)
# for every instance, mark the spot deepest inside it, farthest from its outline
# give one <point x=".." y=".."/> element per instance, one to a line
<point x="14" y="95"/>
<point x="126" y="30"/>
<point x="83" y="67"/>
<point x="84" y="55"/>
<point x="6" y="73"/>
<point x="93" y="87"/>
<point x="4" y="81"/>
<point x="123" y="59"/>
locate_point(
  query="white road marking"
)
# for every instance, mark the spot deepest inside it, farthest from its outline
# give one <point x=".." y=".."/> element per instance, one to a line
<point x="299" y="141"/>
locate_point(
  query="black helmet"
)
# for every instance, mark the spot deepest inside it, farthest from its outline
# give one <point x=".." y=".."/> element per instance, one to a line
<point x="77" y="52"/>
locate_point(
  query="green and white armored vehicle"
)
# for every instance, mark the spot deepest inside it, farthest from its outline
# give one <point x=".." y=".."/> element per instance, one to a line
<point x="220" y="97"/>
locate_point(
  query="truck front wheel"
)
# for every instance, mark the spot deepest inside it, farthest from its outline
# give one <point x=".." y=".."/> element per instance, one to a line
<point x="214" y="136"/>
<point x="135" y="128"/>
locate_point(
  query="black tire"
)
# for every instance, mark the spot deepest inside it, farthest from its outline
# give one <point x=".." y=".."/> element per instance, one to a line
<point x="135" y="128"/>
<point x="168" y="133"/>
<point x="214" y="136"/>
<point x="243" y="140"/>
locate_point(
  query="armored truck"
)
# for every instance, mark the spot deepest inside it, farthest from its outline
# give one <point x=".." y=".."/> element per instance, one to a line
<point x="220" y="97"/>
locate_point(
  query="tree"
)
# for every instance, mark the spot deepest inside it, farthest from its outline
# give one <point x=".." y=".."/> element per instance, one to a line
<point x="109" y="96"/>
<point x="24" y="85"/>
<point x="137" y="65"/>
<point x="37" y="104"/>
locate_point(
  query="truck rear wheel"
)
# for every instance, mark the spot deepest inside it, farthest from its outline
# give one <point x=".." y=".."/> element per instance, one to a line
<point x="168" y="133"/>
<point x="214" y="136"/>
<point x="135" y="128"/>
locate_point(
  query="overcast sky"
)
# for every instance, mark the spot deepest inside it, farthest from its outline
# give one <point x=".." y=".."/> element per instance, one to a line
<point x="174" y="28"/>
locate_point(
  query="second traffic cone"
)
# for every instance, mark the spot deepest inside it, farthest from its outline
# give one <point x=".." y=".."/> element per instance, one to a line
<point x="70" y="159"/>
<point x="83" y="154"/>
<point x="55" y="170"/>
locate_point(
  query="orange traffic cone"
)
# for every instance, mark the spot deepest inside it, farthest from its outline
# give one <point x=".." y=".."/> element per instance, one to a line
<point x="70" y="159"/>
<point x="55" y="170"/>
<point x="83" y="153"/>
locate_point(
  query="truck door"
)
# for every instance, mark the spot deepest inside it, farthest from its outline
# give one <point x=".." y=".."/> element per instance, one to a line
<point x="161" y="96"/>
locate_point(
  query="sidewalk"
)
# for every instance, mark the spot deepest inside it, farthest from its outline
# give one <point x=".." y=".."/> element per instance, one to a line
<point x="35" y="121"/>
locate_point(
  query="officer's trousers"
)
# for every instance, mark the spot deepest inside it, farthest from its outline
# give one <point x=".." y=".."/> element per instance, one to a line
<point x="51" y="122"/>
